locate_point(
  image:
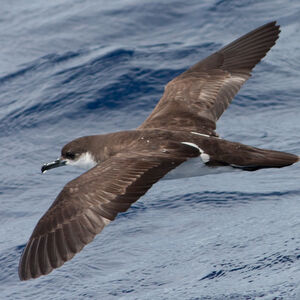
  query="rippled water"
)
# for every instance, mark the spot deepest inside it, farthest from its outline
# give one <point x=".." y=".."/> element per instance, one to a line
<point x="73" y="68"/>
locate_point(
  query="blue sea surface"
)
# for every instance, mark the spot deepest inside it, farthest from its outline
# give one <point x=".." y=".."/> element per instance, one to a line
<point x="71" y="68"/>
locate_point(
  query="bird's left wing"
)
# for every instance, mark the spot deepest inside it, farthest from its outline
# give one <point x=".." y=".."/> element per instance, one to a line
<point x="195" y="100"/>
<point x="91" y="201"/>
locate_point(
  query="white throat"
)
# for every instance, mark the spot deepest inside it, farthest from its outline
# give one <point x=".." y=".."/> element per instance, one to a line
<point x="85" y="161"/>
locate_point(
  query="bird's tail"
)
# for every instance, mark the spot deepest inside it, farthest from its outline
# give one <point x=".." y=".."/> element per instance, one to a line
<point x="269" y="159"/>
<point x="251" y="158"/>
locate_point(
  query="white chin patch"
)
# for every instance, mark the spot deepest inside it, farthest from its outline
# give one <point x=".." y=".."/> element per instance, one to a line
<point x="85" y="161"/>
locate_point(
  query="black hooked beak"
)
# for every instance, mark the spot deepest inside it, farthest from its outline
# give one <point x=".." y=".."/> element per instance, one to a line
<point x="57" y="163"/>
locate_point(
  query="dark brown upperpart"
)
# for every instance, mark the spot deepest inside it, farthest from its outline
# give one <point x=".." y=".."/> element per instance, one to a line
<point x="87" y="203"/>
<point x="153" y="141"/>
<point x="130" y="162"/>
<point x="196" y="99"/>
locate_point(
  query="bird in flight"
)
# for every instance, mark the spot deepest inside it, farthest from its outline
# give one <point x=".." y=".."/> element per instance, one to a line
<point x="178" y="139"/>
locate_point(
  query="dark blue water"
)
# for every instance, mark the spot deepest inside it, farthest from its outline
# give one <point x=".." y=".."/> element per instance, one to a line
<point x="71" y="68"/>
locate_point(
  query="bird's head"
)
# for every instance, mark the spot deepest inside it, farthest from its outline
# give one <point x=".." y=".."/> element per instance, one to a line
<point x="74" y="153"/>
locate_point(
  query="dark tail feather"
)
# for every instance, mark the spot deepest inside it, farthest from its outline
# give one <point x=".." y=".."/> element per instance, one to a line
<point x="255" y="159"/>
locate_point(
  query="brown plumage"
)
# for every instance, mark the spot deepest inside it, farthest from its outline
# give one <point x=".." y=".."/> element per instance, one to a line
<point x="181" y="127"/>
<point x="197" y="98"/>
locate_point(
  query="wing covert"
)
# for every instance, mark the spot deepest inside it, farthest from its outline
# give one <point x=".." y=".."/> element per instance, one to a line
<point x="196" y="99"/>
<point x="89" y="202"/>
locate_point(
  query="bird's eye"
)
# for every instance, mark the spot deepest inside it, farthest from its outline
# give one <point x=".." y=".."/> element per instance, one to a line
<point x="70" y="155"/>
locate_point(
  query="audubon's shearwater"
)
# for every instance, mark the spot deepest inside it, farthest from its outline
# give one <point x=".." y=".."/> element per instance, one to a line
<point x="178" y="139"/>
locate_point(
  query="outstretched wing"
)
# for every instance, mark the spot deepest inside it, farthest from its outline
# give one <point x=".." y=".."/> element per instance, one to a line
<point x="197" y="98"/>
<point x="91" y="201"/>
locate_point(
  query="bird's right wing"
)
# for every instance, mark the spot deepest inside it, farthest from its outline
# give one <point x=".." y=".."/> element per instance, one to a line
<point x="91" y="201"/>
<point x="196" y="99"/>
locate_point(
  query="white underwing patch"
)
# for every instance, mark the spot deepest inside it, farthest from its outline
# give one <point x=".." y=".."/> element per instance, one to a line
<point x="205" y="135"/>
<point x="202" y="134"/>
<point x="192" y="145"/>
<point x="204" y="156"/>
<point x="195" y="167"/>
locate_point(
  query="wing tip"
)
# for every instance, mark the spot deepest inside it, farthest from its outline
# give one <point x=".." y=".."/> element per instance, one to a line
<point x="271" y="29"/>
<point x="248" y="50"/>
<point x="29" y="269"/>
<point x="46" y="252"/>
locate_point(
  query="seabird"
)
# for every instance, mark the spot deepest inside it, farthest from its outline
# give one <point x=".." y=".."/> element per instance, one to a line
<point x="178" y="139"/>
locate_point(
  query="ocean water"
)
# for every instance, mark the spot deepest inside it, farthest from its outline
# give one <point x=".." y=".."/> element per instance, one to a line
<point x="71" y="68"/>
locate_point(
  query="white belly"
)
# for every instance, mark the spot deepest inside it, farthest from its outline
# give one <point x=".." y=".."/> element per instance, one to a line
<point x="196" y="167"/>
